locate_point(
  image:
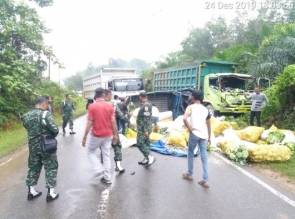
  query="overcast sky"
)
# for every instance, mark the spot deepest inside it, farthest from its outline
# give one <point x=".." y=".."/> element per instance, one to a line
<point x="85" y="31"/>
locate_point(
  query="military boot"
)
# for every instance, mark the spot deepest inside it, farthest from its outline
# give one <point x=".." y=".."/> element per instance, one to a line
<point x="119" y="168"/>
<point x="151" y="160"/>
<point x="51" y="195"/>
<point x="32" y="193"/>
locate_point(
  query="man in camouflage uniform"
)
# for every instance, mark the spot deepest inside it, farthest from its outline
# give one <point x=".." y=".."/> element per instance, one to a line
<point x="66" y="108"/>
<point x="34" y="125"/>
<point x="144" y="128"/>
<point x="117" y="147"/>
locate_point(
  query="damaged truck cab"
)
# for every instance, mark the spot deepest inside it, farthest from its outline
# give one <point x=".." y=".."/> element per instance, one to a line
<point x="223" y="88"/>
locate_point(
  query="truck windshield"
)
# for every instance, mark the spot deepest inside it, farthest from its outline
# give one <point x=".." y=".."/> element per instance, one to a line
<point x="232" y="83"/>
<point x="128" y="84"/>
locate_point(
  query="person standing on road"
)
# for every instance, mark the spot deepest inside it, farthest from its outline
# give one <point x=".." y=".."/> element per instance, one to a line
<point x="49" y="99"/>
<point x="257" y="104"/>
<point x="123" y="108"/>
<point x="200" y="131"/>
<point x="35" y="127"/>
<point x="117" y="147"/>
<point x="144" y="128"/>
<point x="155" y="115"/>
<point x="66" y="108"/>
<point x="102" y="120"/>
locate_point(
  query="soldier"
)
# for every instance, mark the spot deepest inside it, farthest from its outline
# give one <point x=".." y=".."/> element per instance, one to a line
<point x="66" y="108"/>
<point x="117" y="147"/>
<point x="34" y="126"/>
<point x="49" y="99"/>
<point x="144" y="128"/>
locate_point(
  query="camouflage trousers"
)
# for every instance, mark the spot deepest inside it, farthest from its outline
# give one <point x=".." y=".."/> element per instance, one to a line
<point x="143" y="143"/>
<point x="117" y="150"/>
<point x="36" y="160"/>
<point x="68" y="118"/>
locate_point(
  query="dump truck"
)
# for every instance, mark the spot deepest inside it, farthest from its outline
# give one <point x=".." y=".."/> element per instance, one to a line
<point x="121" y="81"/>
<point x="222" y="86"/>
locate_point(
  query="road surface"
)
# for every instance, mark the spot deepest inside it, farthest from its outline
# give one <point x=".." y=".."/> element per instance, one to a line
<point x="155" y="192"/>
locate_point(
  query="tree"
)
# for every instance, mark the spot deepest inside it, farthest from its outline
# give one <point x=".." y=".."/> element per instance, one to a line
<point x="276" y="52"/>
<point x="22" y="53"/>
<point x="174" y="59"/>
<point x="202" y="42"/>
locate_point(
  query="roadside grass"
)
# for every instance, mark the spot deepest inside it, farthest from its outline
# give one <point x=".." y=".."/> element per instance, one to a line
<point x="13" y="139"/>
<point x="286" y="168"/>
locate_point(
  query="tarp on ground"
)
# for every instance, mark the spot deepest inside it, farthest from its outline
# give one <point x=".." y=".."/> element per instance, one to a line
<point x="161" y="148"/>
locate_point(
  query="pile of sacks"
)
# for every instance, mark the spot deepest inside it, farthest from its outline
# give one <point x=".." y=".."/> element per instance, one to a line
<point x="262" y="145"/>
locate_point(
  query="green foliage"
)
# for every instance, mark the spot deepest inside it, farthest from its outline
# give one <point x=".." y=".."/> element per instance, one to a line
<point x="16" y="136"/>
<point x="282" y="100"/>
<point x="242" y="54"/>
<point x="174" y="59"/>
<point x="276" y="52"/>
<point x="148" y="77"/>
<point x="43" y="3"/>
<point x="22" y="54"/>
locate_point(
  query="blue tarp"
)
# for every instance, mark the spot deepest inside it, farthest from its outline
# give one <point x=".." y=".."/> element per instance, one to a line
<point x="160" y="147"/>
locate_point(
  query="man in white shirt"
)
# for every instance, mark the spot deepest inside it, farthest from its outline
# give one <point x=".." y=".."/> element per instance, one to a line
<point x="200" y="134"/>
<point x="155" y="115"/>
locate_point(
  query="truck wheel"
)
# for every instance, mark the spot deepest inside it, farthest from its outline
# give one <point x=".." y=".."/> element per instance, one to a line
<point x="211" y="109"/>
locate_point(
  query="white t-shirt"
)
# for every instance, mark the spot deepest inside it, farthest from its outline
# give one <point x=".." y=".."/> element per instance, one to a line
<point x="155" y="112"/>
<point x="198" y="119"/>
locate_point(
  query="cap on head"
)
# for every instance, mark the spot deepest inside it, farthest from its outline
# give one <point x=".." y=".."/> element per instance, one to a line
<point x="40" y="100"/>
<point x="197" y="94"/>
<point x="143" y="94"/>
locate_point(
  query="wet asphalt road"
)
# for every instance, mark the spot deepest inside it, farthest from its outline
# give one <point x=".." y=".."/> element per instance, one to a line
<point x="155" y="192"/>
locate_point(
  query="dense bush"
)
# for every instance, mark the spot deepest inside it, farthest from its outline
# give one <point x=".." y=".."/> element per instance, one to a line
<point x="281" y="109"/>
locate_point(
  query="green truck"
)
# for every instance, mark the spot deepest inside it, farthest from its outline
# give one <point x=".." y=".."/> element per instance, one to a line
<point x="222" y="86"/>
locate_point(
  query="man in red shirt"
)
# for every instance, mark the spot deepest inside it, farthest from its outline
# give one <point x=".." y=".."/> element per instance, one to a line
<point x="102" y="120"/>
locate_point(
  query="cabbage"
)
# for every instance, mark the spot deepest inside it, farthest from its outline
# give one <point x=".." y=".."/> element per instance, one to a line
<point x="275" y="137"/>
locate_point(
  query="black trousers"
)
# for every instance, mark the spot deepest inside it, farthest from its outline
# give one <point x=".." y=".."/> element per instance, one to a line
<point x="253" y="115"/>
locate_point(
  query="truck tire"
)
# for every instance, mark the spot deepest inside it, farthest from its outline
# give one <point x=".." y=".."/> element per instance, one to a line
<point x="211" y="109"/>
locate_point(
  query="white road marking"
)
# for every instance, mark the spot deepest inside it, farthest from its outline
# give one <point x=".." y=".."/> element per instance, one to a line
<point x="260" y="182"/>
<point x="104" y="197"/>
<point x="6" y="162"/>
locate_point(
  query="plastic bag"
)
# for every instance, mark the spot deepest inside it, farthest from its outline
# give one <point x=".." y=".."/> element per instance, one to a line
<point x="130" y="133"/>
<point x="273" y="128"/>
<point x="269" y="153"/>
<point x="219" y="127"/>
<point x="264" y="134"/>
<point x="227" y="146"/>
<point x="289" y="137"/>
<point x="155" y="137"/>
<point x="231" y="135"/>
<point x="126" y="142"/>
<point x="177" y="138"/>
<point x="251" y="133"/>
<point x="234" y="125"/>
<point x="260" y="142"/>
